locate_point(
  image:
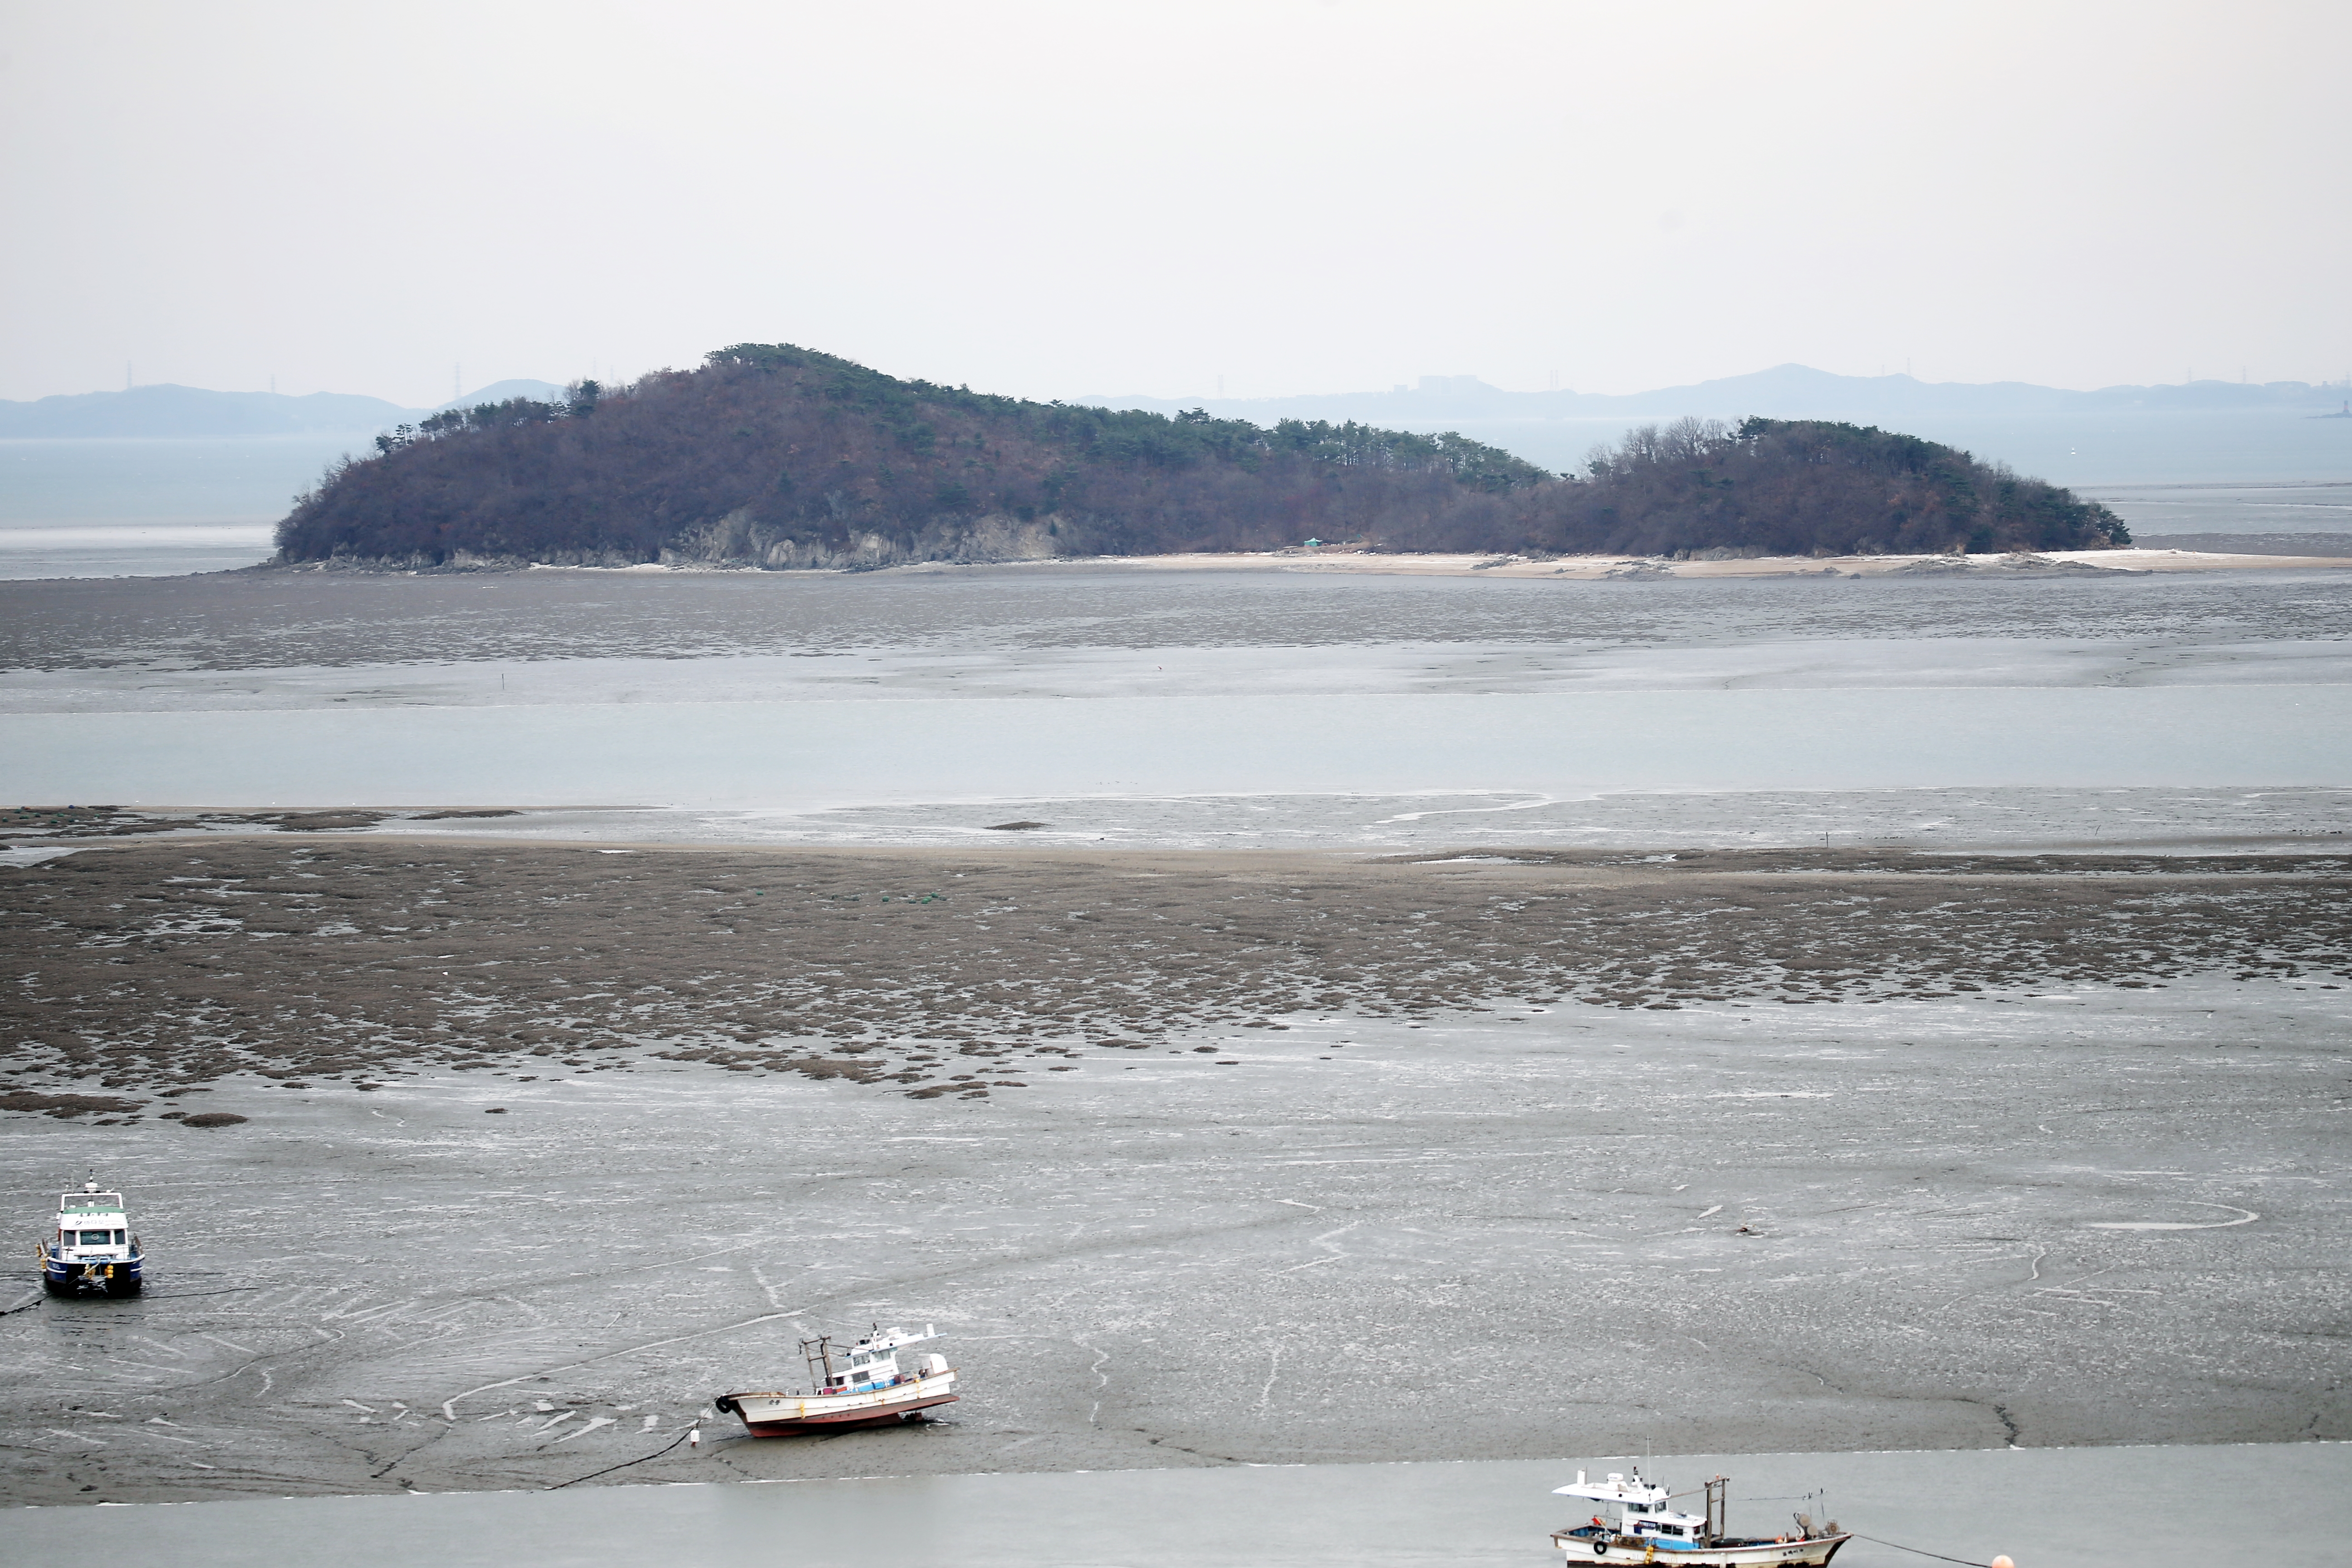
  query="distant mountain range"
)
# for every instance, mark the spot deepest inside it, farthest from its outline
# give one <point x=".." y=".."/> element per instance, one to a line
<point x="192" y="410"/>
<point x="1784" y="391"/>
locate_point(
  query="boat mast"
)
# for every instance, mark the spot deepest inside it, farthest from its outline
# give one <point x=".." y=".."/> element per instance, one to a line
<point x="1716" y="1488"/>
<point x="819" y="1359"/>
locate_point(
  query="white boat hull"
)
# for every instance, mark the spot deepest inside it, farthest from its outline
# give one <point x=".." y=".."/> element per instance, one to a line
<point x="1584" y="1546"/>
<point x="779" y="1414"/>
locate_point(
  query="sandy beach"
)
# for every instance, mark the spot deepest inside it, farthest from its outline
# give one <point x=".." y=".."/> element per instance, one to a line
<point x="1590" y="568"/>
<point x="1348" y="560"/>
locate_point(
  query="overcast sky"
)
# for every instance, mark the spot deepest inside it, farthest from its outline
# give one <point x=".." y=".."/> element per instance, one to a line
<point x="1102" y="197"/>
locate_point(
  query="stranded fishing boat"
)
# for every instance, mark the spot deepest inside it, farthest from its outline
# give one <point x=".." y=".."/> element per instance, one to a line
<point x="870" y="1389"/>
<point x="93" y="1249"/>
<point x="1636" y="1526"/>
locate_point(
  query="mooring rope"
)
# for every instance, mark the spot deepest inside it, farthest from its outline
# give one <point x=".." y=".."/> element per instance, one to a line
<point x="624" y="1464"/>
<point x="1938" y="1556"/>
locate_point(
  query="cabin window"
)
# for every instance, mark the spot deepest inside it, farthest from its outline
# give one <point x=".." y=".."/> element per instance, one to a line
<point x="96" y="1237"/>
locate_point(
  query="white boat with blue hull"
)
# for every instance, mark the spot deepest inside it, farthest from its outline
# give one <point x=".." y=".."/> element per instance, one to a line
<point x="1637" y="1523"/>
<point x="869" y="1389"/>
<point x="93" y="1248"/>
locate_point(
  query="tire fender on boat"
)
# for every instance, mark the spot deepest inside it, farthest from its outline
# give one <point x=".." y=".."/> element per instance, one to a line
<point x="1600" y="1548"/>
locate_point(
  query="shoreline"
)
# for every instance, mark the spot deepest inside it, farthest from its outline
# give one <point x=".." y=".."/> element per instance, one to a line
<point x="1343" y="560"/>
<point x="1586" y="568"/>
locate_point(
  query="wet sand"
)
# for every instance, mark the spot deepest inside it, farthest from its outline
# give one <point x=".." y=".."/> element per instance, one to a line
<point x="1197" y="1159"/>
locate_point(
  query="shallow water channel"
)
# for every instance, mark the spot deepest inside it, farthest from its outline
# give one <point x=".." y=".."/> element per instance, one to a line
<point x="2045" y="1508"/>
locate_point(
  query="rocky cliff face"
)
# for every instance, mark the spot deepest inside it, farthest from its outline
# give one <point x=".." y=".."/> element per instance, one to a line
<point x="739" y="540"/>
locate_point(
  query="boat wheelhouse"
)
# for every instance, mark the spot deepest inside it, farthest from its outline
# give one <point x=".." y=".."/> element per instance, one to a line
<point x="1637" y="1523"/>
<point x="93" y="1247"/>
<point x="869" y="1389"/>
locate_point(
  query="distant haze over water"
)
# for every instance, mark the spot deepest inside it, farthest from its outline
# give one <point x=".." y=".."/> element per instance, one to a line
<point x="107" y="507"/>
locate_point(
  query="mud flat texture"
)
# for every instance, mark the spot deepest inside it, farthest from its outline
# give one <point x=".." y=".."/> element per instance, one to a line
<point x="261" y="621"/>
<point x="171" y="965"/>
<point x="1195" y="1159"/>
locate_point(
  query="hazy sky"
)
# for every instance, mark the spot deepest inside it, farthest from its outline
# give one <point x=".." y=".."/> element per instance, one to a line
<point x="1063" y="199"/>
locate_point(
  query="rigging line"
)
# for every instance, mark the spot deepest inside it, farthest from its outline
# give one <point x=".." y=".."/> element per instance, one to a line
<point x="1793" y="1496"/>
<point x="1916" y="1551"/>
<point x="624" y="1464"/>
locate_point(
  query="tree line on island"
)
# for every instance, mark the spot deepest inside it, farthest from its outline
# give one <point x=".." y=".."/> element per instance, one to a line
<point x="781" y="457"/>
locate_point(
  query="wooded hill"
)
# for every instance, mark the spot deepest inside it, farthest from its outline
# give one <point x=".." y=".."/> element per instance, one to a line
<point x="781" y="457"/>
<point x="1799" y="487"/>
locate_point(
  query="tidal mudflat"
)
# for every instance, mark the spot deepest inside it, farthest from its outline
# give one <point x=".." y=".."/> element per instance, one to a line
<point x="2093" y="1218"/>
<point x="160" y="966"/>
<point x="1421" y="1111"/>
<point x="1201" y="1160"/>
<point x="271" y="620"/>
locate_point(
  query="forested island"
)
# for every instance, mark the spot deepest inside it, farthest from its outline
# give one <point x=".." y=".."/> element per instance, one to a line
<point x="781" y="457"/>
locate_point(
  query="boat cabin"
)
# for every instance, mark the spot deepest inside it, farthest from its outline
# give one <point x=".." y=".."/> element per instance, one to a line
<point x="93" y="1247"/>
<point x="1641" y="1508"/>
<point x="92" y="1227"/>
<point x="871" y="1363"/>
